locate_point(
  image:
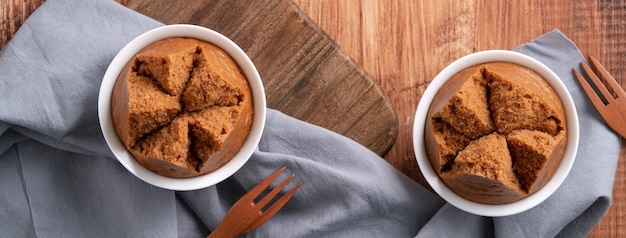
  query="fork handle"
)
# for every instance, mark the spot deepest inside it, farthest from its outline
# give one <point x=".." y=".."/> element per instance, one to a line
<point x="226" y="229"/>
<point x="223" y="232"/>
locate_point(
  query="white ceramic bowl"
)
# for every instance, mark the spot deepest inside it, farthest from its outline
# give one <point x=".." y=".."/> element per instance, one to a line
<point x="510" y="208"/>
<point x="115" y="144"/>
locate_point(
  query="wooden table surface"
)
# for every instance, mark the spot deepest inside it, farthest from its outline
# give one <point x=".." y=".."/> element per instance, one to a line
<point x="404" y="44"/>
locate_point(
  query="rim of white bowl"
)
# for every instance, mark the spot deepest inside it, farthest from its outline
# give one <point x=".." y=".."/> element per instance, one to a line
<point x="190" y="31"/>
<point x="530" y="201"/>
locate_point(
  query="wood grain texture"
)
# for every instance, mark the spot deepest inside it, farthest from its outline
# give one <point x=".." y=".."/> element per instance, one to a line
<point x="305" y="74"/>
<point x="404" y="44"/>
<point x="13" y="14"/>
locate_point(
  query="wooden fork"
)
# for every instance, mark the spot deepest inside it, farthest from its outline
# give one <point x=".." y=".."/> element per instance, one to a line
<point x="613" y="108"/>
<point x="246" y="214"/>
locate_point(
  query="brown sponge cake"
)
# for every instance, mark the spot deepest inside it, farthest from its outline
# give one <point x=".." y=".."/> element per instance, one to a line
<point x="495" y="132"/>
<point x="447" y="142"/>
<point x="520" y="99"/>
<point x="218" y="133"/>
<point x="169" y="62"/>
<point x="466" y="110"/>
<point x="167" y="151"/>
<point x="483" y="171"/>
<point x="140" y="110"/>
<point x="213" y="75"/>
<point x="536" y="155"/>
<point x="182" y="107"/>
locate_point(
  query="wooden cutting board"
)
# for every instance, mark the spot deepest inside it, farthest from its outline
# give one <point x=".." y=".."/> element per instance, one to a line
<point x="305" y="73"/>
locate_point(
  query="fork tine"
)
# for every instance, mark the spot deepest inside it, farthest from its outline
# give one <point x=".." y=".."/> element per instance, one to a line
<point x="281" y="202"/>
<point x="274" y="208"/>
<point x="595" y="64"/>
<point x="598" y="83"/>
<point x="591" y="94"/>
<point x="274" y="192"/>
<point x="259" y="188"/>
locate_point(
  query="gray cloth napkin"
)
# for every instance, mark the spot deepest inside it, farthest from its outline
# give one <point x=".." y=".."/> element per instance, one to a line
<point x="583" y="198"/>
<point x="58" y="178"/>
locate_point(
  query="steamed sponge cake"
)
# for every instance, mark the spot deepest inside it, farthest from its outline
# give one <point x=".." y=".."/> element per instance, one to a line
<point x="532" y="152"/>
<point x="483" y="171"/>
<point x="466" y="110"/>
<point x="182" y="107"/>
<point x="448" y="133"/>
<point x="448" y="142"/>
<point x="216" y="73"/>
<point x="208" y="133"/>
<point x="169" y="62"/>
<point x="146" y="109"/>
<point x="496" y="132"/>
<point x="166" y="151"/>
<point x="519" y="103"/>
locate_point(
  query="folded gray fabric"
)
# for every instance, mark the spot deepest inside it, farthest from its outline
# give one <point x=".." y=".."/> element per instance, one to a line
<point x="584" y="197"/>
<point x="58" y="178"/>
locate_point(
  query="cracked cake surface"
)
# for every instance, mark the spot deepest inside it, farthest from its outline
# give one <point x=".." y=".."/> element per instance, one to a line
<point x="495" y="132"/>
<point x="182" y="107"/>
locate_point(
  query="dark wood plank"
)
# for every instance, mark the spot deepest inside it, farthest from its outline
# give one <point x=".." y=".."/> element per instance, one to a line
<point x="306" y="75"/>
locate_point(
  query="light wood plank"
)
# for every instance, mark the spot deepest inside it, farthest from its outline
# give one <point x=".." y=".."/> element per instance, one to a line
<point x="404" y="44"/>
